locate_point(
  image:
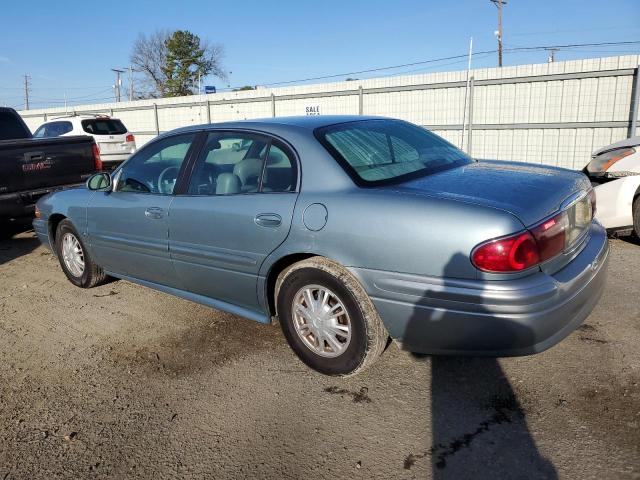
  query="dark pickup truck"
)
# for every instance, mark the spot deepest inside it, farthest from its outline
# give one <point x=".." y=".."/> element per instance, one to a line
<point x="32" y="167"/>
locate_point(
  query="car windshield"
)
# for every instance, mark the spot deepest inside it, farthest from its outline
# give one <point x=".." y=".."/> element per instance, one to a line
<point x="104" y="127"/>
<point x="376" y="152"/>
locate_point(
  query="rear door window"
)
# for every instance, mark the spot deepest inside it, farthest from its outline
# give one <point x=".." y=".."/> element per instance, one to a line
<point x="53" y="129"/>
<point x="104" y="126"/>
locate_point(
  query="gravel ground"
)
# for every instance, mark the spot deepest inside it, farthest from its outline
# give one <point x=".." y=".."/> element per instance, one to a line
<point x="124" y="382"/>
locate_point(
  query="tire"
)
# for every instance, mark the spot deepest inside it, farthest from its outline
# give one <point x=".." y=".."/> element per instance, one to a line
<point x="360" y="336"/>
<point x="636" y="216"/>
<point x="90" y="275"/>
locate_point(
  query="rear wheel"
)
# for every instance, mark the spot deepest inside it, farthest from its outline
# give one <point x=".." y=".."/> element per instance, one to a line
<point x="636" y="216"/>
<point x="75" y="260"/>
<point x="327" y="318"/>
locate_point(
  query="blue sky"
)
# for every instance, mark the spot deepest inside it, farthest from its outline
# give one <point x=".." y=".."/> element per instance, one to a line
<point x="69" y="47"/>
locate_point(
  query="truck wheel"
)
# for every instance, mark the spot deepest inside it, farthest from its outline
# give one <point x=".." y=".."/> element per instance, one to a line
<point x="327" y="318"/>
<point x="636" y="216"/>
<point x="75" y="260"/>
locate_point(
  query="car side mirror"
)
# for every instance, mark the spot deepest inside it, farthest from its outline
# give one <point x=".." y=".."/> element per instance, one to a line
<point x="99" y="182"/>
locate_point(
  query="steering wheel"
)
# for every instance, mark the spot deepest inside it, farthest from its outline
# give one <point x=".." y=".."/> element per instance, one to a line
<point x="166" y="182"/>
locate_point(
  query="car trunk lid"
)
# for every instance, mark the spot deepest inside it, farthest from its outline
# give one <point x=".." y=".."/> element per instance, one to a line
<point x="530" y="192"/>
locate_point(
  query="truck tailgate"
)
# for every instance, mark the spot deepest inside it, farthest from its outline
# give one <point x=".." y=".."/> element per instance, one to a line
<point x="31" y="164"/>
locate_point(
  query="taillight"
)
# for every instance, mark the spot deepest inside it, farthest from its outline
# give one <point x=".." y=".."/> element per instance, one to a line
<point x="551" y="236"/>
<point x="130" y="138"/>
<point x="509" y="254"/>
<point x="538" y="244"/>
<point x="97" y="161"/>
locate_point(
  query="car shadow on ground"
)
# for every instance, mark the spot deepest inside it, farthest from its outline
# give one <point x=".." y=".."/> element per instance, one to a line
<point x="16" y="239"/>
<point x="631" y="239"/>
<point x="478" y="423"/>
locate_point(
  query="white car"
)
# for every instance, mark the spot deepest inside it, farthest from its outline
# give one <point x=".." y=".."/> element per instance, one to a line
<point x="114" y="141"/>
<point x="615" y="173"/>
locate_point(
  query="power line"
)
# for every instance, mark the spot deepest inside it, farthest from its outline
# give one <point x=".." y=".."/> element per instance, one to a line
<point x="379" y="69"/>
<point x="454" y="57"/>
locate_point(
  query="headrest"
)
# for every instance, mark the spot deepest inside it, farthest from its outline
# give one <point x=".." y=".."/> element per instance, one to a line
<point x="248" y="168"/>
<point x="227" y="184"/>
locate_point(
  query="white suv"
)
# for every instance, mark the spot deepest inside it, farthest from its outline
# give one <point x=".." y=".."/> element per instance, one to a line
<point x="114" y="141"/>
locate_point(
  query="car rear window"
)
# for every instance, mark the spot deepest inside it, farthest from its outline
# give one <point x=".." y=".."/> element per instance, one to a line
<point x="375" y="152"/>
<point x="104" y="127"/>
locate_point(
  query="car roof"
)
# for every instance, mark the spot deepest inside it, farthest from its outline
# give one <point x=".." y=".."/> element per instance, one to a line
<point x="80" y="117"/>
<point x="306" y="122"/>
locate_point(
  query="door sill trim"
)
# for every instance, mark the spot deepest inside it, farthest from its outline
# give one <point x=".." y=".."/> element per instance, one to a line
<point x="201" y="299"/>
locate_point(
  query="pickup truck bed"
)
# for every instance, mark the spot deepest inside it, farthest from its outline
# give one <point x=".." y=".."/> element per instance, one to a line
<point x="31" y="168"/>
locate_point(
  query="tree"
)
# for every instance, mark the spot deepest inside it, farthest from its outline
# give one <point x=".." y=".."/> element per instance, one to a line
<point x="242" y="89"/>
<point x="148" y="57"/>
<point x="172" y="62"/>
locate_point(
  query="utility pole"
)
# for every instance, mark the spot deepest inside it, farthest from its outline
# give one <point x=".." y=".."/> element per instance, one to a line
<point x="118" y="82"/>
<point x="499" y="4"/>
<point x="130" y="83"/>
<point x="26" y="91"/>
<point x="466" y="95"/>
<point x="552" y="55"/>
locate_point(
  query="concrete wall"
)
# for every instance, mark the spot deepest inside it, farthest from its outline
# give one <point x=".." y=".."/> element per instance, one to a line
<point x="554" y="113"/>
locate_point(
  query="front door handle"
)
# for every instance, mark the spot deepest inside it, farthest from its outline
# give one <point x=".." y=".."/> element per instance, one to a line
<point x="154" y="213"/>
<point x="268" y="220"/>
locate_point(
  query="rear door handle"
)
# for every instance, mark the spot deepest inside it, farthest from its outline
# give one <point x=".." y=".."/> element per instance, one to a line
<point x="154" y="213"/>
<point x="268" y="220"/>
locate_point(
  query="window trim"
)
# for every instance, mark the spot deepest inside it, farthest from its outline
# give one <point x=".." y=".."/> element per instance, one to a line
<point x="283" y="144"/>
<point x="319" y="134"/>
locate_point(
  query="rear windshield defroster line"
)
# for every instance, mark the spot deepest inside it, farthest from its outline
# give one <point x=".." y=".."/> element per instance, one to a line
<point x="382" y="152"/>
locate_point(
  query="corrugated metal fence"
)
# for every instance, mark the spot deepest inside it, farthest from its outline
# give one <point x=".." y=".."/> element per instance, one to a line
<point x="552" y="113"/>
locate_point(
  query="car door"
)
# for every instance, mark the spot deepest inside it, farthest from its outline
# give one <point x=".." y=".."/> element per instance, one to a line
<point x="236" y="210"/>
<point x="128" y="227"/>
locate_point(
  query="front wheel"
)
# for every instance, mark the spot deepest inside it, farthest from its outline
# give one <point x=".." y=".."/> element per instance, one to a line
<point x="327" y="318"/>
<point x="75" y="260"/>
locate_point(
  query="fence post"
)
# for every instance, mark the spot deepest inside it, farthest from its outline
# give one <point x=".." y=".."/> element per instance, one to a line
<point x="273" y="105"/>
<point x="45" y="116"/>
<point x="360" y="102"/>
<point x="470" y="127"/>
<point x="635" y="93"/>
<point x="155" y="116"/>
<point x="208" y="111"/>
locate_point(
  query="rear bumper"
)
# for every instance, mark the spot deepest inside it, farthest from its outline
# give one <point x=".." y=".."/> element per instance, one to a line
<point x="111" y="160"/>
<point x="20" y="204"/>
<point x="614" y="200"/>
<point x="491" y="318"/>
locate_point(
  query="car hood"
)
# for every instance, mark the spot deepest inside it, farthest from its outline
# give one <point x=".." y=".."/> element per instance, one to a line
<point x="530" y="192"/>
<point x="627" y="142"/>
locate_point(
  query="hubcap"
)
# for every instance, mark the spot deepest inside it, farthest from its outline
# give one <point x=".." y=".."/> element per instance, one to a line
<point x="321" y="321"/>
<point x="72" y="254"/>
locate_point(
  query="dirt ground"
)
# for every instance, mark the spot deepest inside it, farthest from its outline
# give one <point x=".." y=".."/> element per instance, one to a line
<point x="124" y="382"/>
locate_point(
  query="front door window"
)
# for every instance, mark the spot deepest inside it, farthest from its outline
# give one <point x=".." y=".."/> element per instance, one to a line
<point x="155" y="169"/>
